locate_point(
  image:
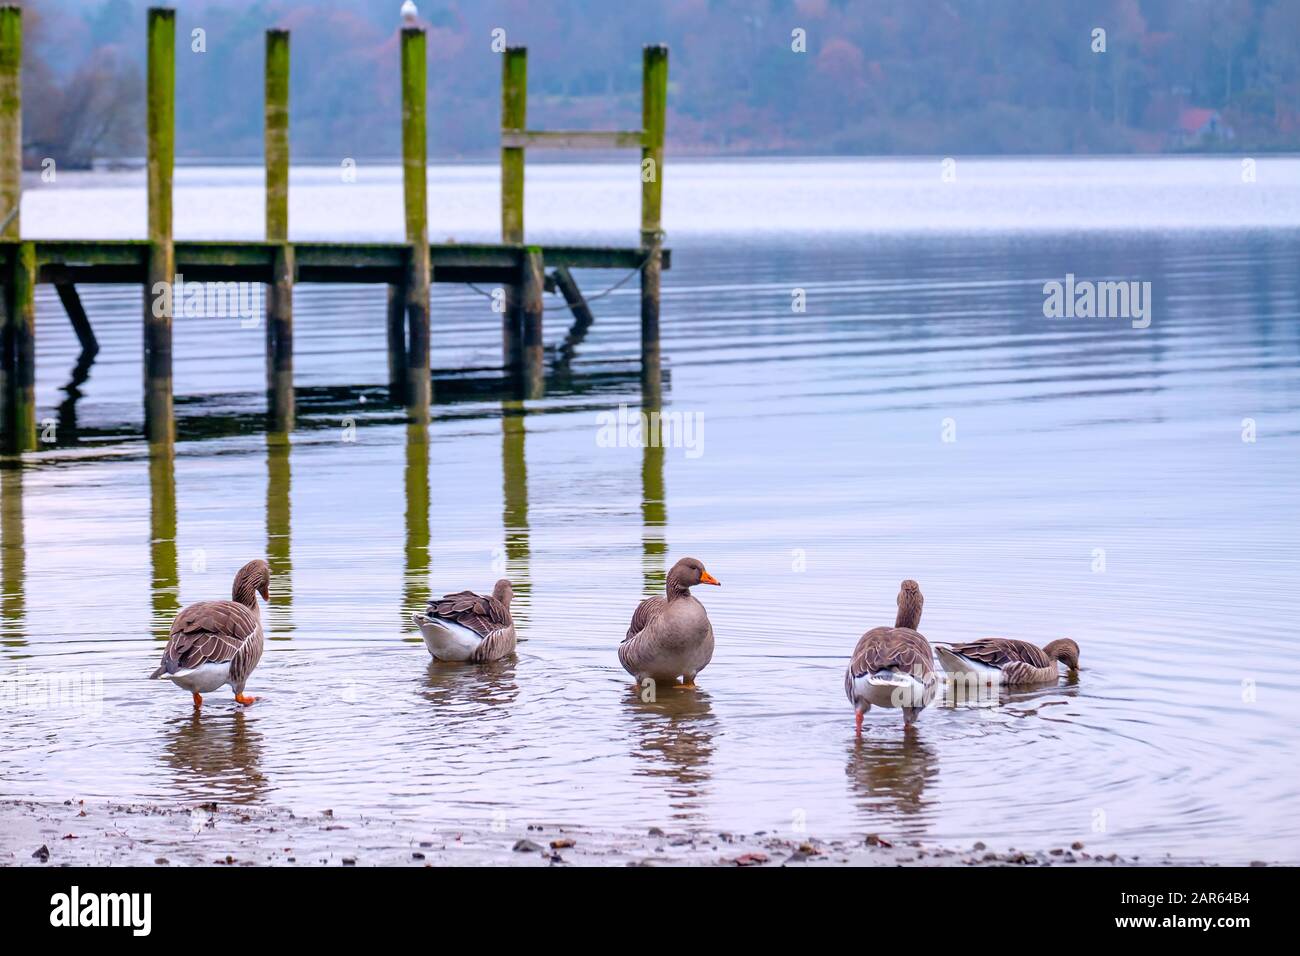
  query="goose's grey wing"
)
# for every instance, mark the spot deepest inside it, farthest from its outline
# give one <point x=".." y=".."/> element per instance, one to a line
<point x="209" y="632"/>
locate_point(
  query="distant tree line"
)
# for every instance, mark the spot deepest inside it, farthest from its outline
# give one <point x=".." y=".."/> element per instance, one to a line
<point x="768" y="77"/>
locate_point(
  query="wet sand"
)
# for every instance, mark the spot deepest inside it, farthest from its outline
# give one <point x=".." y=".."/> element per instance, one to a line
<point x="80" y="833"/>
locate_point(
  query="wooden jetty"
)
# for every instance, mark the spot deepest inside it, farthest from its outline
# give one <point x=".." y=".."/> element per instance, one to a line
<point x="406" y="268"/>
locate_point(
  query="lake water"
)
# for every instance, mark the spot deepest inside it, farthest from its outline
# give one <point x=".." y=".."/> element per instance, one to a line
<point x="1040" y="477"/>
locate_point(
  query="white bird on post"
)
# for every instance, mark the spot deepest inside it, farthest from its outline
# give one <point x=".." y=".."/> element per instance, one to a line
<point x="409" y="14"/>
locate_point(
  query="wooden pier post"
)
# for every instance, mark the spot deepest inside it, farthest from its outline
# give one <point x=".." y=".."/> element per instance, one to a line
<point x="20" y="350"/>
<point x="419" y="383"/>
<point x="397" y="342"/>
<point x="514" y="115"/>
<point x="11" y="119"/>
<point x="77" y="316"/>
<point x="160" y="425"/>
<point x="654" y="101"/>
<point x="279" y="303"/>
<point x="573" y="298"/>
<point x="531" y="286"/>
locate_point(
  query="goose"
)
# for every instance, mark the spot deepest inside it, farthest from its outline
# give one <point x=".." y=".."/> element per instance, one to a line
<point x="893" y="666"/>
<point x="1014" y="662"/>
<point x="469" y="627"/>
<point x="671" y="636"/>
<point x="218" y="642"/>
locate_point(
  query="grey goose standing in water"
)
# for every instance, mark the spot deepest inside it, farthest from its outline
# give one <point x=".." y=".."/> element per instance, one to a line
<point x="893" y="666"/>
<point x="671" y="636"/>
<point x="214" y="643"/>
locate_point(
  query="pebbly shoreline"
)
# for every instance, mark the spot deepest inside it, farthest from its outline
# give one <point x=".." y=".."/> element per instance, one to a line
<point x="82" y="833"/>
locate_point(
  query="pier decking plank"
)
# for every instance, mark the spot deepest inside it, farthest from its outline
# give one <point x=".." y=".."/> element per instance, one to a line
<point x="100" y="261"/>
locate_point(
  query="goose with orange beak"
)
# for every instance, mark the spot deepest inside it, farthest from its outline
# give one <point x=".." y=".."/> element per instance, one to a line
<point x="671" y="636"/>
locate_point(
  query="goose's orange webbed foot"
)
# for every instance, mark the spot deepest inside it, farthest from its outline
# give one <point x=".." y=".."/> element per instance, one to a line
<point x="244" y="699"/>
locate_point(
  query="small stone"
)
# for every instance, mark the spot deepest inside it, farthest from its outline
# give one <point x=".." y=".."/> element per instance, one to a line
<point x="750" y="859"/>
<point x="1258" y="863"/>
<point x="527" y="846"/>
<point x="978" y="846"/>
<point x="1056" y="851"/>
<point x="42" y="853"/>
<point x="561" y="844"/>
<point x="349" y="861"/>
<point x="1076" y="845"/>
<point x="417" y="855"/>
<point x="656" y="832"/>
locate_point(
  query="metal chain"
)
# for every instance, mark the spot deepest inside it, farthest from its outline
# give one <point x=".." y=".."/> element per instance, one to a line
<point x="586" y="298"/>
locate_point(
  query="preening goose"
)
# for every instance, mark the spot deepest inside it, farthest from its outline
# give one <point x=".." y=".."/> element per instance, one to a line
<point x="671" y="636"/>
<point x="219" y="642"/>
<point x="893" y="666"/>
<point x="469" y="627"/>
<point x="1015" y="662"/>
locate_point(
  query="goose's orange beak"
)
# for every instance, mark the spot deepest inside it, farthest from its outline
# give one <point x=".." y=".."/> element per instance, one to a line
<point x="707" y="578"/>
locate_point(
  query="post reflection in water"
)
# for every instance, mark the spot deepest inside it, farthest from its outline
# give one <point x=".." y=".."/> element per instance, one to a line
<point x="13" y="557"/>
<point x="67" y="420"/>
<point x="654" y="508"/>
<point x="415" y="585"/>
<point x="216" y="757"/>
<point x="164" y="594"/>
<point x="673" y="739"/>
<point x="514" y="510"/>
<point x="279" y="476"/>
<point x="889" y="776"/>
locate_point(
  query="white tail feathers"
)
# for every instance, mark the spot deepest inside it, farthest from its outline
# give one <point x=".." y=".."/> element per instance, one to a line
<point x="447" y="640"/>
